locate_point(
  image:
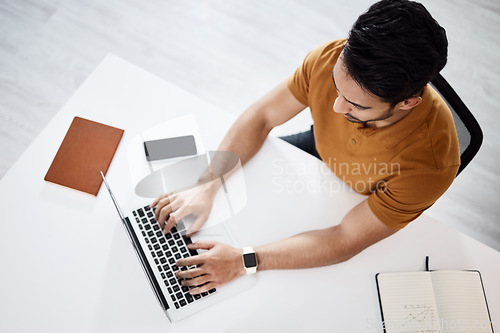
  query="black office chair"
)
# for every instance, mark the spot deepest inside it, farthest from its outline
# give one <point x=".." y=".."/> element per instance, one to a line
<point x="469" y="132"/>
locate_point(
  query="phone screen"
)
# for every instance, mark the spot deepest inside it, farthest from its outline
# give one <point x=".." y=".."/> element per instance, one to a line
<point x="170" y="148"/>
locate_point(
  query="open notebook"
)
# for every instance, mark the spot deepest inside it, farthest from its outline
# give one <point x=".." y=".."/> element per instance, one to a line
<point x="433" y="302"/>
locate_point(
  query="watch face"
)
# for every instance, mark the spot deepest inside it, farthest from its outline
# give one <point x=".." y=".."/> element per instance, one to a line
<point x="250" y="260"/>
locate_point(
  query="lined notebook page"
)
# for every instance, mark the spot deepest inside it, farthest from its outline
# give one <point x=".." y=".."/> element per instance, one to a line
<point x="460" y="300"/>
<point x="408" y="302"/>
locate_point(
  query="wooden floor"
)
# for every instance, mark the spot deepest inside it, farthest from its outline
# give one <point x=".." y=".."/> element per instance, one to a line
<point x="230" y="53"/>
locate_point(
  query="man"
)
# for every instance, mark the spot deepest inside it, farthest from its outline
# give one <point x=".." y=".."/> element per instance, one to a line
<point x="372" y="106"/>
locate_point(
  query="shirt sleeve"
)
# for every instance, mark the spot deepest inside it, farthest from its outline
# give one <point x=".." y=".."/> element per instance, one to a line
<point x="299" y="82"/>
<point x="405" y="197"/>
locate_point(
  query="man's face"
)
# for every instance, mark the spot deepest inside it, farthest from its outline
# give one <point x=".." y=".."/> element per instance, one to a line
<point x="356" y="104"/>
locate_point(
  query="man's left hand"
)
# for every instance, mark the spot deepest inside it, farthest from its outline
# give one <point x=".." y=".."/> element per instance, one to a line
<point x="222" y="263"/>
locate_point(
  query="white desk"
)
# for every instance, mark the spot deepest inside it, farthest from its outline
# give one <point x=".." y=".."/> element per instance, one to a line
<point x="67" y="264"/>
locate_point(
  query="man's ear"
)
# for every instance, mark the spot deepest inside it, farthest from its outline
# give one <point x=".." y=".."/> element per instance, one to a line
<point x="410" y="103"/>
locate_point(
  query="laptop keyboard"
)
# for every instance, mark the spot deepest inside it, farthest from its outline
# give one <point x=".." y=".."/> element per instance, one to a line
<point x="166" y="250"/>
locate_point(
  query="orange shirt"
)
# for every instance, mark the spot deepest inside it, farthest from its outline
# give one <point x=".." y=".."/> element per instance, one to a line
<point x="404" y="167"/>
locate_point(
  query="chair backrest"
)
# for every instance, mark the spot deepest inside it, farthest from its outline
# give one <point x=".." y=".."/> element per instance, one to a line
<point x="470" y="136"/>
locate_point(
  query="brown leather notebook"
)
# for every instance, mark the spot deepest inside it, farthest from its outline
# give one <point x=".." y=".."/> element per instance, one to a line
<point x="87" y="148"/>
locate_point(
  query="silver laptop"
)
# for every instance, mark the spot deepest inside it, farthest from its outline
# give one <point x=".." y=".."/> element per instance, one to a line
<point x="158" y="253"/>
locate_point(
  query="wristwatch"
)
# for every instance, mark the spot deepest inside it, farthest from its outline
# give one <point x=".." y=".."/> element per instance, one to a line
<point x="249" y="260"/>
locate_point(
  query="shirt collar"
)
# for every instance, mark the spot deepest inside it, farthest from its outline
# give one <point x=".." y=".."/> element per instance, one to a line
<point x="393" y="134"/>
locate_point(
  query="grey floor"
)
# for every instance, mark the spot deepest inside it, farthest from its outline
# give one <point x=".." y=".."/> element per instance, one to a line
<point x="230" y="53"/>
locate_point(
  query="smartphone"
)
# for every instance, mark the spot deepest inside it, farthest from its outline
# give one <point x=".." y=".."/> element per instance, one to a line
<point x="170" y="148"/>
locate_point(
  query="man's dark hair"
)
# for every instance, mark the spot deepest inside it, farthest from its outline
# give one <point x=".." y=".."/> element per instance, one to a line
<point x="394" y="49"/>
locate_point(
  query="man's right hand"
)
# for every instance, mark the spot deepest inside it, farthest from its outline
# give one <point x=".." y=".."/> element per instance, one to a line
<point x="198" y="201"/>
<point x="244" y="140"/>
